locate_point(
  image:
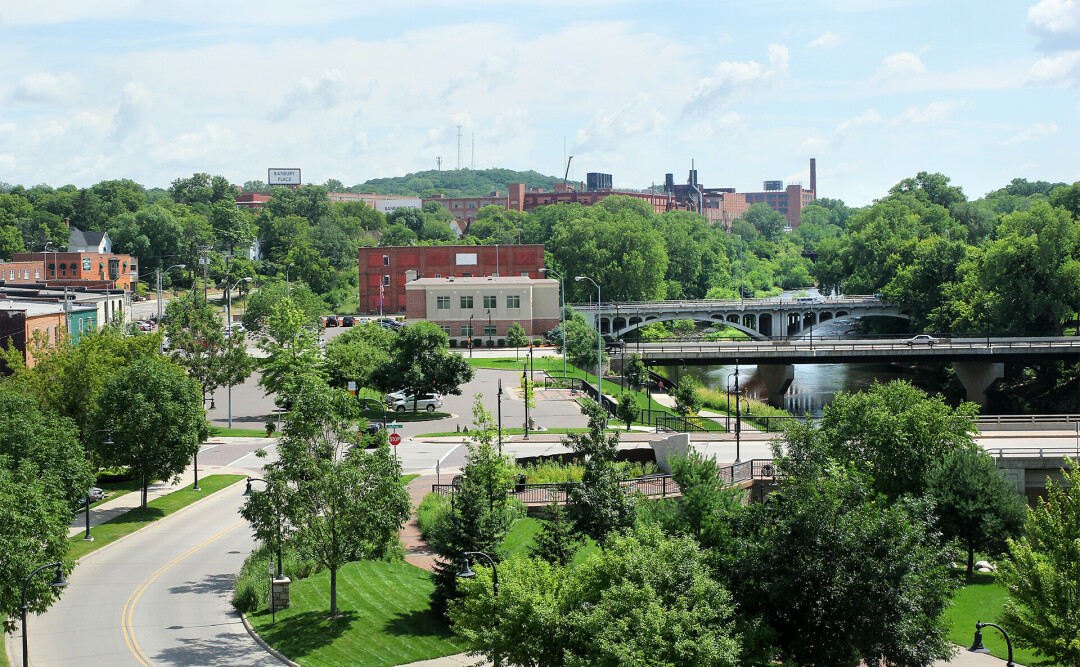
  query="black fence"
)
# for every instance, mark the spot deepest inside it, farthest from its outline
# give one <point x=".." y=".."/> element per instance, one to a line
<point x="649" y="486"/>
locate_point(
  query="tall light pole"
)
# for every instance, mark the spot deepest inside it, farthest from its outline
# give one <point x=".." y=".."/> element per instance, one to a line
<point x="288" y="285"/>
<point x="247" y="492"/>
<point x="58" y="582"/>
<point x="490" y="329"/>
<point x="45" y="253"/>
<point x="599" y="343"/>
<point x="471" y="315"/>
<point x="562" y="314"/>
<point x="160" y="309"/>
<point x="738" y="417"/>
<point x="232" y="333"/>
<point x="467" y="573"/>
<point x="500" y="415"/>
<point x="977" y="645"/>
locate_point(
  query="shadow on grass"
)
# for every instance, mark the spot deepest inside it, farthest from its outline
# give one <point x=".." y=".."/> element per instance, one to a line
<point x="419" y="623"/>
<point x="300" y="635"/>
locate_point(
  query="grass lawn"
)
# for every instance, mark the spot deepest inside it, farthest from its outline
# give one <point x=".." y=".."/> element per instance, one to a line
<point x="981" y="599"/>
<point x="221" y="432"/>
<point x="510" y="431"/>
<point x="523" y="534"/>
<point x="129" y="522"/>
<point x="405" y="479"/>
<point x="404" y="416"/>
<point x="385" y="619"/>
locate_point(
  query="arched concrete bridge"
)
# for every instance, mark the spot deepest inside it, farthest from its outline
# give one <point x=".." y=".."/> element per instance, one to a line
<point x="763" y="319"/>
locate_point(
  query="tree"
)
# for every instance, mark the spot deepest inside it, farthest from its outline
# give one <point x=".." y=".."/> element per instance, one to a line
<point x="768" y="223"/>
<point x="232" y="227"/>
<point x="628" y="410"/>
<point x="1042" y="610"/>
<point x="687" y="398"/>
<point x="634" y="371"/>
<point x="581" y="343"/>
<point x="481" y="515"/>
<point x="262" y="303"/>
<point x="343" y="502"/>
<point x="356" y="353"/>
<point x="974" y="502"/>
<point x="11" y="242"/>
<point x="290" y="346"/>
<point x="556" y="542"/>
<point x="516" y="338"/>
<point x="649" y="599"/>
<point x="706" y="499"/>
<point x="420" y="362"/>
<point x="835" y="574"/>
<point x="156" y="420"/>
<point x="198" y="344"/>
<point x="894" y="432"/>
<point x="397" y="235"/>
<point x="598" y="506"/>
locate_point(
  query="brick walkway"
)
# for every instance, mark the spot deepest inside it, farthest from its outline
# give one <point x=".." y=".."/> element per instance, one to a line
<point x="417" y="551"/>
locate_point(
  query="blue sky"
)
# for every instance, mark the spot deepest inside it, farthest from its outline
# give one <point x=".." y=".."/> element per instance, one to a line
<point x="876" y="90"/>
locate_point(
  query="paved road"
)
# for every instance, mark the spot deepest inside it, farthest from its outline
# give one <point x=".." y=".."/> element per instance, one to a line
<point x="158" y="597"/>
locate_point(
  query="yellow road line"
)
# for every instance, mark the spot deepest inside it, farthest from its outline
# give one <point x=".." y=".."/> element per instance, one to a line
<point x="129" y="606"/>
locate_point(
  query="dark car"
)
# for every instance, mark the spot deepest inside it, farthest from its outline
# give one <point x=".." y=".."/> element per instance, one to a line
<point x="331" y="321"/>
<point x="348" y="321"/>
<point x="373" y="428"/>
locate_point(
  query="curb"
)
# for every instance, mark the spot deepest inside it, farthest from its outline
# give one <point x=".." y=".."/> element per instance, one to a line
<point x="262" y="642"/>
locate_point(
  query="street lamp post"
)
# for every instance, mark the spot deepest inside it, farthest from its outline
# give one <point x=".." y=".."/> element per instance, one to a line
<point x="288" y="285"/>
<point x="599" y="343"/>
<point x="471" y="315"/>
<point x="58" y="582"/>
<point x="526" y="388"/>
<point x="467" y="573"/>
<point x="247" y="492"/>
<point x="738" y="416"/>
<point x="160" y="309"/>
<point x="727" y="391"/>
<point x="108" y="441"/>
<point x="562" y="314"/>
<point x="490" y="329"/>
<point x="232" y="334"/>
<point x="500" y="415"/>
<point x="977" y="645"/>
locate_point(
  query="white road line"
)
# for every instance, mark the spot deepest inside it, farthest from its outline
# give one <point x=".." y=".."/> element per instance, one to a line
<point x="447" y="454"/>
<point x="252" y="453"/>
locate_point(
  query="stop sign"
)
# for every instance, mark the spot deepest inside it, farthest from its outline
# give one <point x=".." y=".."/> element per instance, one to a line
<point x="395" y="439"/>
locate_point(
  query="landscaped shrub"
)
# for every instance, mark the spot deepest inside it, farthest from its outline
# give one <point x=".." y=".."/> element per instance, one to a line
<point x="434" y="509"/>
<point x="502" y="342"/>
<point x="453" y="342"/>
<point x="245" y="597"/>
<point x="490" y="343"/>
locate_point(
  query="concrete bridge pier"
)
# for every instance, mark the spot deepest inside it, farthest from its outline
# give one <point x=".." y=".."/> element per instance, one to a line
<point x="777" y="379"/>
<point x="977" y="376"/>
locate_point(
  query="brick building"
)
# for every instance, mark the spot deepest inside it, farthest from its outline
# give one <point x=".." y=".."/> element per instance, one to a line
<point x="725" y="205"/>
<point x="484" y="307"/>
<point x="88" y="262"/>
<point x="384" y="272"/>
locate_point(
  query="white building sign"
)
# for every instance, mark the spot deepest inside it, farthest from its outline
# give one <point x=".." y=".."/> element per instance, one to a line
<point x="466" y="259"/>
<point x="283" y="177"/>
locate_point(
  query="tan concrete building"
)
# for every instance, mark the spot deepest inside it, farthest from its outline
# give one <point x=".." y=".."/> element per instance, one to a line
<point x="484" y="307"/>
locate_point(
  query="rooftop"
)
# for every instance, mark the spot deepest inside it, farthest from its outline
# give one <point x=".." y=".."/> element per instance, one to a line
<point x="482" y="280"/>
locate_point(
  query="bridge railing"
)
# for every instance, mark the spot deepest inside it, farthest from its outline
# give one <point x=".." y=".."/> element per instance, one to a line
<point x="706" y="304"/>
<point x="1030" y="452"/>
<point x="849" y="345"/>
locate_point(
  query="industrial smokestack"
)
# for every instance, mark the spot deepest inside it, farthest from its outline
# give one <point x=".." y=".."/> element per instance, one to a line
<point x="813" y="175"/>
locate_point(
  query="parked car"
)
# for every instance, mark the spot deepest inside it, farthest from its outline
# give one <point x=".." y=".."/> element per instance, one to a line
<point x="921" y="339"/>
<point x="94" y="494"/>
<point x="429" y="402"/>
<point x="348" y="321"/>
<point x="372" y="428"/>
<point x="144" y="325"/>
<point x="392" y="325"/>
<point x="331" y="321"/>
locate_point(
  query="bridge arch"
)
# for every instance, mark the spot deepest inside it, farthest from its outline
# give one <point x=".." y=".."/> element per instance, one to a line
<point x="632" y="325"/>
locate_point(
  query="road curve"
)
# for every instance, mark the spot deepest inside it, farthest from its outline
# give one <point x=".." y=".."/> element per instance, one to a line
<point x="161" y="597"/>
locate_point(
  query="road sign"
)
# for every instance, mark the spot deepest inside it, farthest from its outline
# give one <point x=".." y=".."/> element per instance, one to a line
<point x="395" y="439"/>
<point x="352" y="387"/>
<point x="393" y="426"/>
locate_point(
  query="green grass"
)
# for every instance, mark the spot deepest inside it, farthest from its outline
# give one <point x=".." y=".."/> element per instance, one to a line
<point x="385" y="619"/>
<point x="405" y="479"/>
<point x="509" y="431"/>
<point x="221" y="432"/>
<point x="523" y="534"/>
<point x="981" y="599"/>
<point x="158" y="508"/>
<point x="406" y="416"/>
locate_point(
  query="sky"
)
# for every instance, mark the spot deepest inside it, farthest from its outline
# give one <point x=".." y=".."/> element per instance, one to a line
<point x="875" y="90"/>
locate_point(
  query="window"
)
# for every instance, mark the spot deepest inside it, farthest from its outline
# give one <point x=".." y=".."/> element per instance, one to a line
<point x="37" y="273"/>
<point x="442" y="302"/>
<point x="11" y="274"/>
<point x="491" y="302"/>
<point x="80" y="325"/>
<point x="490" y="330"/>
<point x="438" y="275"/>
<point x="466" y="302"/>
<point x="386" y="260"/>
<point x="466" y="330"/>
<point x="472" y="204"/>
<point x="513" y="301"/>
<point x="445" y="328"/>
<point x="466" y="275"/>
<point x="63" y="270"/>
<point x="386" y="281"/>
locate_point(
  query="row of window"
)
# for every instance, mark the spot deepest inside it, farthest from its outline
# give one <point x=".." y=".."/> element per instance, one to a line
<point x="513" y="301"/>
<point x="468" y="330"/>
<point x="23" y="273"/>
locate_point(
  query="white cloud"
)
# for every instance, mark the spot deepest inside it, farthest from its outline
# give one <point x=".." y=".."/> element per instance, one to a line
<point x="45" y="88"/>
<point x="931" y="113"/>
<point x="730" y="78"/>
<point x="1063" y="70"/>
<point x="1056" y="23"/>
<point x="827" y="40"/>
<point x="321" y="94"/>
<point x="710" y="129"/>
<point x="841" y="132"/>
<point x="1036" y="132"/>
<point x="606" y="131"/>
<point x="902" y="65"/>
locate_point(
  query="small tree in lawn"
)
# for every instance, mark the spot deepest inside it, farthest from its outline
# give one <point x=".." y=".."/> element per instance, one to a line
<point x="687" y="398"/>
<point x="556" y="542"/>
<point x="974" y="502"/>
<point x="516" y="338"/>
<point x="634" y="371"/>
<point x="628" y="410"/>
<point x="1042" y="611"/>
<point x="197" y="342"/>
<point x="154" y="414"/>
<point x="598" y="505"/>
<point x="480" y="516"/>
<point x="420" y="362"/>
<point x="342" y="503"/>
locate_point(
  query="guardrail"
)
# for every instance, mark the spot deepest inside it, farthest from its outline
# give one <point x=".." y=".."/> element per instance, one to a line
<point x="1067" y="343"/>
<point x="650" y="486"/>
<point x="1040" y="453"/>
<point x="706" y="304"/>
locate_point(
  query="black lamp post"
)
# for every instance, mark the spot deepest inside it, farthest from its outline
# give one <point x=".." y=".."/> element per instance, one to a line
<point x="977" y="645"/>
<point x="108" y="441"/>
<point x="525" y="395"/>
<point x="58" y="582"/>
<point x="738" y="417"/>
<point x="599" y="343"/>
<point x="467" y="573"/>
<point x="470" y="334"/>
<point x="247" y="492"/>
<point x="499" y="395"/>
<point x="490" y="329"/>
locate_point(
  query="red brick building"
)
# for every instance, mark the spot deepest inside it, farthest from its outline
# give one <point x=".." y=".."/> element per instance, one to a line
<point x="72" y="269"/>
<point x="385" y="271"/>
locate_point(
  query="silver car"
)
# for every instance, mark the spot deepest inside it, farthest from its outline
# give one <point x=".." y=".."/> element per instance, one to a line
<point x="400" y="403"/>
